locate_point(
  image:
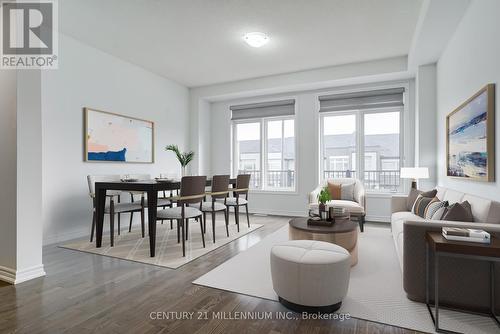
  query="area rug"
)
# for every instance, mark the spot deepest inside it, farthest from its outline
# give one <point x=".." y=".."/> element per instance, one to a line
<point x="131" y="246"/>
<point x="375" y="288"/>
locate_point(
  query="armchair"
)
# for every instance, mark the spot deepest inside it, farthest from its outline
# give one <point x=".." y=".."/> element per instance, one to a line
<point x="356" y="208"/>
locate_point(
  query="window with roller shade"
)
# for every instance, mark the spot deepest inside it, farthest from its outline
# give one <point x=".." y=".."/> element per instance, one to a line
<point x="264" y="144"/>
<point x="361" y="137"/>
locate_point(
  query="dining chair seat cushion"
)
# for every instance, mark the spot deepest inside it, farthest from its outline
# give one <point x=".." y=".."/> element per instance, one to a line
<point x="160" y="202"/>
<point x="123" y="207"/>
<point x="207" y="207"/>
<point x="176" y="213"/>
<point x="231" y="201"/>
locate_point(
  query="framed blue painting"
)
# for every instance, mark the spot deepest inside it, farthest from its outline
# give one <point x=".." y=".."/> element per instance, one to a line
<point x="470" y="134"/>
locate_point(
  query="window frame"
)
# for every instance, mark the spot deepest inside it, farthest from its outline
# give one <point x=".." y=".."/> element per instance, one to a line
<point x="263" y="151"/>
<point x="360" y="142"/>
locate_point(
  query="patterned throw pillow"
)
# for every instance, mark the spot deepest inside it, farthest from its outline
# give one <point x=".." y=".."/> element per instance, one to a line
<point x="433" y="208"/>
<point x="438" y="215"/>
<point x="421" y="205"/>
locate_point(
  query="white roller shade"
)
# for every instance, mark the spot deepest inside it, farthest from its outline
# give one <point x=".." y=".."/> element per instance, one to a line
<point x="362" y="100"/>
<point x="265" y="109"/>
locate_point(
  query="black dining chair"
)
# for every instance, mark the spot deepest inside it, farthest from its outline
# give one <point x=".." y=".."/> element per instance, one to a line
<point x="240" y="197"/>
<point x="219" y="191"/>
<point x="188" y="206"/>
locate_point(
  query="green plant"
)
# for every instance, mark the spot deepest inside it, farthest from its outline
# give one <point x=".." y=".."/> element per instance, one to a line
<point x="183" y="157"/>
<point x="324" y="195"/>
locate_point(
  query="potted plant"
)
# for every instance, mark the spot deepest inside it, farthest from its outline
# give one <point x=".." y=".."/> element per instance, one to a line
<point x="323" y="197"/>
<point x="183" y="157"/>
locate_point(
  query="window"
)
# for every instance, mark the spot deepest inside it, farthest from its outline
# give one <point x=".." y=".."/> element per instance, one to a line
<point x="248" y="151"/>
<point x="339" y="143"/>
<point x="265" y="148"/>
<point x="363" y="130"/>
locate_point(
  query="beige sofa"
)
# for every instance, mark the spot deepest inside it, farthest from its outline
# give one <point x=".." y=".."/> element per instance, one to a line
<point x="356" y="208"/>
<point x="463" y="283"/>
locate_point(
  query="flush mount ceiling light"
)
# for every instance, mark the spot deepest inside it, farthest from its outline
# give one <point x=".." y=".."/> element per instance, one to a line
<point x="256" y="39"/>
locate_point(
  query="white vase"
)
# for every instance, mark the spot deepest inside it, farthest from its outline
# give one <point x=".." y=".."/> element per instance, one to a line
<point x="183" y="171"/>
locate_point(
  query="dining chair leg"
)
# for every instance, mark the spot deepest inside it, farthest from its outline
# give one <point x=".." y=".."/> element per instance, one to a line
<point x="187" y="228"/>
<point x="112" y="227"/>
<point x="213" y="225"/>
<point x="171" y="224"/>
<point x="248" y="219"/>
<point x="183" y="241"/>
<point x="142" y="222"/>
<point x="93" y="227"/>
<point x="237" y="216"/>
<point x="119" y="227"/>
<point x="202" y="235"/>
<point x="178" y="230"/>
<point x="204" y="223"/>
<point x="130" y="224"/>
<point x="226" y="217"/>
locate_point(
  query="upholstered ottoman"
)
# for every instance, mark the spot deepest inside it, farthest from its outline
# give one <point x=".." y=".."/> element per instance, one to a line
<point x="310" y="276"/>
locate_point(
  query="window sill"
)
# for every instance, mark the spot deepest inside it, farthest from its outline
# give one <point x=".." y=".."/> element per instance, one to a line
<point x="383" y="194"/>
<point x="272" y="192"/>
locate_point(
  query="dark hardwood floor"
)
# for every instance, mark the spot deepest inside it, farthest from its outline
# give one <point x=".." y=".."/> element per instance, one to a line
<point x="85" y="293"/>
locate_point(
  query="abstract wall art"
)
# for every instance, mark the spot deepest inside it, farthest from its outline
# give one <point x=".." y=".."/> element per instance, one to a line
<point x="117" y="138"/>
<point x="470" y="138"/>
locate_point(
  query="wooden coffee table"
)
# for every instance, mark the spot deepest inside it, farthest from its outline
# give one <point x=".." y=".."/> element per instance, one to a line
<point x="343" y="233"/>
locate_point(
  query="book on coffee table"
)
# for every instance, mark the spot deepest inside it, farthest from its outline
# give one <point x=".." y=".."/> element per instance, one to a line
<point x="466" y="234"/>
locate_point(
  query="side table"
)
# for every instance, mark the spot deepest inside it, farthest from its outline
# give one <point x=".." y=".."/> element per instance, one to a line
<point x="459" y="249"/>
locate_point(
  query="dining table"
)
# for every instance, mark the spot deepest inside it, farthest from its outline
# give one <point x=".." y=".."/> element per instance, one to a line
<point x="149" y="187"/>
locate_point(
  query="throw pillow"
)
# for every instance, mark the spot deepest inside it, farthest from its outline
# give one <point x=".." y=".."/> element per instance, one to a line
<point x="434" y="207"/>
<point x="438" y="215"/>
<point x="421" y="205"/>
<point x="412" y="197"/>
<point x="461" y="212"/>
<point x="347" y="192"/>
<point x="335" y="191"/>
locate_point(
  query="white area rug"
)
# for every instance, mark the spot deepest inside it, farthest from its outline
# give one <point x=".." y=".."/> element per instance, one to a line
<point x="375" y="288"/>
<point x="131" y="246"/>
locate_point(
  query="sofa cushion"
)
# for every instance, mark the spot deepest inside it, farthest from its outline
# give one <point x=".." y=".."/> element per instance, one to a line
<point x="422" y="204"/>
<point x="334" y="190"/>
<point x="347" y="192"/>
<point x="352" y="207"/>
<point x="405" y="216"/>
<point x="480" y="207"/>
<point x="438" y="215"/>
<point x="460" y="212"/>
<point x="413" y="195"/>
<point x="434" y="207"/>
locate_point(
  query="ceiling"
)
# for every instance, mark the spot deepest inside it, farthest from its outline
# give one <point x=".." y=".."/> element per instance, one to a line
<point x="199" y="42"/>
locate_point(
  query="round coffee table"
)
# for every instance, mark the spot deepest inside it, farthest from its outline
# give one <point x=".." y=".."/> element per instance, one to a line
<point x="343" y="232"/>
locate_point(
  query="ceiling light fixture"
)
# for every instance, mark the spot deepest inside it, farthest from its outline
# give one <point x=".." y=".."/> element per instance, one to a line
<point x="256" y="39"/>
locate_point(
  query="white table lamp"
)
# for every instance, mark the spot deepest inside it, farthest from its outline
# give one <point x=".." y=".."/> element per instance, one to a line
<point x="414" y="173"/>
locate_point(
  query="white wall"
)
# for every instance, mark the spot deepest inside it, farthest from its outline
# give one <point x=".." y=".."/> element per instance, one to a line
<point x="88" y="77"/>
<point x="425" y="123"/>
<point x="8" y="165"/>
<point x="308" y="160"/>
<point x="470" y="61"/>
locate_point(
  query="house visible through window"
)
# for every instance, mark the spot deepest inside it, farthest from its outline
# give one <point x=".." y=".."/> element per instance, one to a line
<point x="363" y="129"/>
<point x="264" y="146"/>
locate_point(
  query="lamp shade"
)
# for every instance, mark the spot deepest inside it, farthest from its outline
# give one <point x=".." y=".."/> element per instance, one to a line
<point x="414" y="173"/>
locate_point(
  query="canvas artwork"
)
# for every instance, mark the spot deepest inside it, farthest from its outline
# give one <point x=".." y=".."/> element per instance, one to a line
<point x="470" y="138"/>
<point x="113" y="137"/>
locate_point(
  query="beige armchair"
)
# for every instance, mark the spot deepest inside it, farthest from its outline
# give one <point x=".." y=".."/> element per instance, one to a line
<point x="356" y="208"/>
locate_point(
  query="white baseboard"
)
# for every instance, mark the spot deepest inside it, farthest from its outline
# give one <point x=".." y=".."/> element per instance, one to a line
<point x="12" y="276"/>
<point x="381" y="219"/>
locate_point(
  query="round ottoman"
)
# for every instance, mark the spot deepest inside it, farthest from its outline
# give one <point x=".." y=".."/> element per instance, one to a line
<point x="310" y="276"/>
